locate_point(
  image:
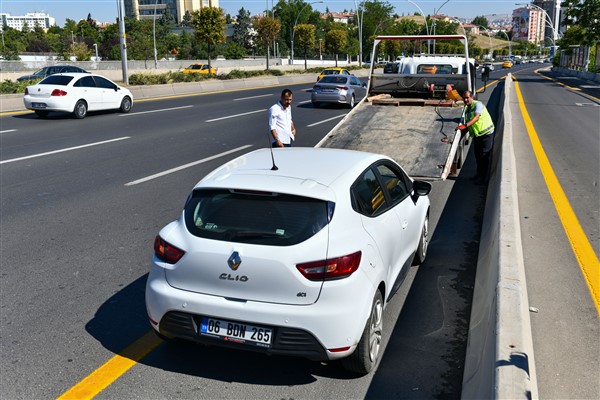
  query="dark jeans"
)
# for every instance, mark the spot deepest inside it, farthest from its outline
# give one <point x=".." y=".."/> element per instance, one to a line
<point x="274" y="144"/>
<point x="483" y="153"/>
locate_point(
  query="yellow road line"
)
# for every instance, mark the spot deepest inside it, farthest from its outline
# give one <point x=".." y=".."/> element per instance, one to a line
<point x="584" y="252"/>
<point x="101" y="378"/>
<point x="567" y="86"/>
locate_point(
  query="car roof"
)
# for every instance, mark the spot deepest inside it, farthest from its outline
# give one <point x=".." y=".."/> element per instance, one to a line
<point x="307" y="171"/>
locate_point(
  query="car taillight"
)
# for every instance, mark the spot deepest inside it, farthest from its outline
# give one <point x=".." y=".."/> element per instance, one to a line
<point x="335" y="268"/>
<point x="58" y="92"/>
<point x="26" y="92"/>
<point x="166" y="251"/>
<point x="342" y="87"/>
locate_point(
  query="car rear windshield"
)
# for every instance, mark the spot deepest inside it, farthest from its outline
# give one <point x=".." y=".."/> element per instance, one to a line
<point x="334" y="79"/>
<point x="57" y="80"/>
<point x="255" y="217"/>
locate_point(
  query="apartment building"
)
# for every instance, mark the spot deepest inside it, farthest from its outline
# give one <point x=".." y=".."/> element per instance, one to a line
<point x="145" y="9"/>
<point x="31" y="20"/>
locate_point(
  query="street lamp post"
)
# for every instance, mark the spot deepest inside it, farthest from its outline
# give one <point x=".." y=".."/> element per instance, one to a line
<point x="509" y="43"/>
<point x="547" y="20"/>
<point x="296" y="22"/>
<point x="96" y="48"/>
<point x="434" y="14"/>
<point x="360" y="22"/>
<point x="320" y="54"/>
<point x="154" y="34"/>
<point x="425" y="18"/>
<point x="489" y="37"/>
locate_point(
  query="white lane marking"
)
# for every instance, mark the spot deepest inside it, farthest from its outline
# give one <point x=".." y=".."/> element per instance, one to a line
<point x="587" y="104"/>
<point x="170" y="171"/>
<point x="236" y="115"/>
<point x="326" y="120"/>
<point x="155" y="111"/>
<point x="63" y="150"/>
<point x="252" y="97"/>
<point x="8" y="130"/>
<point x="304" y="102"/>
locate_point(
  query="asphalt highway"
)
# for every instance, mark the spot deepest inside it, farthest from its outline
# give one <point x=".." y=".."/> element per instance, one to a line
<point x="81" y="202"/>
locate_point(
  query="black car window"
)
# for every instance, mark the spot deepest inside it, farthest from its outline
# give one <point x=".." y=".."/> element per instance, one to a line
<point x="56" y="80"/>
<point x="104" y="83"/>
<point x="86" y="81"/>
<point x="338" y="79"/>
<point x="356" y="81"/>
<point x="394" y="182"/>
<point x="368" y="196"/>
<point x="255" y="217"/>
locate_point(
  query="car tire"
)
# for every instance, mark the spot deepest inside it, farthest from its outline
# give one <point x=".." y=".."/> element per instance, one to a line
<point x="367" y="351"/>
<point x="421" y="253"/>
<point x="352" y="102"/>
<point x="126" y="105"/>
<point x="80" y="110"/>
<point x="42" y="113"/>
<point x="315" y="104"/>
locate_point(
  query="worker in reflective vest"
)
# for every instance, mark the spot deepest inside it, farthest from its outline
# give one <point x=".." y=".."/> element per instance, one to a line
<point x="481" y="128"/>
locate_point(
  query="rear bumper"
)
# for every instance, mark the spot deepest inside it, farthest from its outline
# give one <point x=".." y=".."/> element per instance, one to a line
<point x="46" y="103"/>
<point x="335" y="321"/>
<point x="286" y="341"/>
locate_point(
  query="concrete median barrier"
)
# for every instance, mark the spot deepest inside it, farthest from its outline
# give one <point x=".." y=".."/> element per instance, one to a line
<point x="499" y="362"/>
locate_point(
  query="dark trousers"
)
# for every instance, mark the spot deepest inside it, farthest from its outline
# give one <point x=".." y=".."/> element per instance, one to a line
<point x="274" y="144"/>
<point x="483" y="153"/>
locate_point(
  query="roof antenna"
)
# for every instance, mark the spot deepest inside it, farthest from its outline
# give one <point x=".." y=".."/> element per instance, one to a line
<point x="274" y="167"/>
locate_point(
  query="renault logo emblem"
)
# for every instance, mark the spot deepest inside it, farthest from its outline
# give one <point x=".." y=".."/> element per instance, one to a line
<point x="234" y="260"/>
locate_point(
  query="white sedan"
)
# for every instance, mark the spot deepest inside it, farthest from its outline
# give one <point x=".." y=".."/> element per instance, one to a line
<point x="295" y="256"/>
<point x="76" y="93"/>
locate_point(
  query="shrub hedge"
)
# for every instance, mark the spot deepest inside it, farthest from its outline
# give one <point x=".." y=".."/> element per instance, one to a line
<point x="10" y="87"/>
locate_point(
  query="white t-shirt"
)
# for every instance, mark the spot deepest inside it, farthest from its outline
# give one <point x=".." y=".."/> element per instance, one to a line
<point x="280" y="119"/>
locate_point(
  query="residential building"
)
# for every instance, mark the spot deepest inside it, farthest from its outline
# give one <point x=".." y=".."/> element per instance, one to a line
<point x="31" y="20"/>
<point x="146" y="9"/>
<point x="527" y="25"/>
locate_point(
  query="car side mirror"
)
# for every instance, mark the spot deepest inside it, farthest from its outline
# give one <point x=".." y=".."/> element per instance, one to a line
<point x="421" y="188"/>
<point x="364" y="84"/>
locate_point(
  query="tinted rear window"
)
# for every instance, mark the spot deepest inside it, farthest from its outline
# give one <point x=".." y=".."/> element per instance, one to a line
<point x="57" y="80"/>
<point x="334" y="79"/>
<point x="255" y="217"/>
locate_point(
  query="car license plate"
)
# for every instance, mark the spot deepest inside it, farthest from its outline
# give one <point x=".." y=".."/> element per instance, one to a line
<point x="38" y="105"/>
<point x="236" y="332"/>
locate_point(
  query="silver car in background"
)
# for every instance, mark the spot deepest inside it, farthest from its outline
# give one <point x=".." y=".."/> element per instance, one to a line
<point x="338" y="89"/>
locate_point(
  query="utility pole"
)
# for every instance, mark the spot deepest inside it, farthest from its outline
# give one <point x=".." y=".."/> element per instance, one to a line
<point x="123" y="41"/>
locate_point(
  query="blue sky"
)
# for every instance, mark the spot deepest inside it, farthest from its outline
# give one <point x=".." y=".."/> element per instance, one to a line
<point x="106" y="10"/>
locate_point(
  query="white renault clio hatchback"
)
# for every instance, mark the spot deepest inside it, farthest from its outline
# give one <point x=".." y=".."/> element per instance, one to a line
<point x="298" y="259"/>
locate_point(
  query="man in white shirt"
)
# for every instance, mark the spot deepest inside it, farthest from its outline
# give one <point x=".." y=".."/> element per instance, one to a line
<point x="280" y="121"/>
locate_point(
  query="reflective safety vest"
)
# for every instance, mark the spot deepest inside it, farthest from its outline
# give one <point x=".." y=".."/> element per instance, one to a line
<point x="483" y="126"/>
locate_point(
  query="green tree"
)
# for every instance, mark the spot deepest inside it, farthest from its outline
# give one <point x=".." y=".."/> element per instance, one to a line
<point x="376" y="20"/>
<point x="81" y="51"/>
<point x="209" y="24"/>
<point x="243" y="31"/>
<point x="305" y="37"/>
<point x="267" y="29"/>
<point x="295" y="12"/>
<point x="335" y="42"/>
<point x="584" y="13"/>
<point x="480" y="20"/>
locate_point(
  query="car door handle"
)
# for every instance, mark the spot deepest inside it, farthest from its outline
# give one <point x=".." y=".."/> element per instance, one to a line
<point x="404" y="225"/>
